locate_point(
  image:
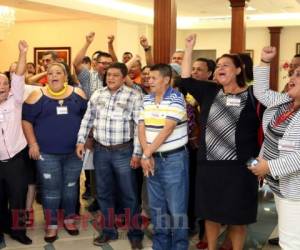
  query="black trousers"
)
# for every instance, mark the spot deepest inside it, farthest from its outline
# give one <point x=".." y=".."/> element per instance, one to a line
<point x="13" y="191"/>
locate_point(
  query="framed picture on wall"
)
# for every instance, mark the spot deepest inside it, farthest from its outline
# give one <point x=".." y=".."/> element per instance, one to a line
<point x="297" y="48"/>
<point x="250" y="52"/>
<point x="63" y="54"/>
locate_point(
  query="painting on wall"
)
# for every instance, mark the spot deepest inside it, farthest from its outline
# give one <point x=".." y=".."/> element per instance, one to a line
<point x="63" y="54"/>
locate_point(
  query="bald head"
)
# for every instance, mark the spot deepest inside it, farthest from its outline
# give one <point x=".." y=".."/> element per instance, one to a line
<point x="177" y="57"/>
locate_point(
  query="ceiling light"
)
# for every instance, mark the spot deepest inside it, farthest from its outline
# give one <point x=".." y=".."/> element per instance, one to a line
<point x="7" y="19"/>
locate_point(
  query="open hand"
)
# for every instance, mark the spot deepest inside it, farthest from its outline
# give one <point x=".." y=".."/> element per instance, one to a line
<point x="90" y="37"/>
<point x="23" y="46"/>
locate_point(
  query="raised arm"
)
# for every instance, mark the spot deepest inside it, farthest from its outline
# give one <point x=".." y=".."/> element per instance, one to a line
<point x="111" y="49"/>
<point x="261" y="87"/>
<point x="21" y="66"/>
<point x="82" y="52"/>
<point x="17" y="83"/>
<point x="186" y="66"/>
<point x="148" y="50"/>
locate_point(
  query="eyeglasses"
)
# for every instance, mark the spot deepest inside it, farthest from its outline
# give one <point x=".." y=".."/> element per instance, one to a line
<point x="105" y="63"/>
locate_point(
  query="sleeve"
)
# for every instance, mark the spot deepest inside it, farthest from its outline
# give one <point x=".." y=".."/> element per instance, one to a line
<point x="84" y="78"/>
<point x="141" y="113"/>
<point x="177" y="109"/>
<point x="87" y="121"/>
<point x="195" y="87"/>
<point x="18" y="87"/>
<point x="284" y="166"/>
<point x="137" y="151"/>
<point x="83" y="107"/>
<point x="30" y="112"/>
<point x="262" y="90"/>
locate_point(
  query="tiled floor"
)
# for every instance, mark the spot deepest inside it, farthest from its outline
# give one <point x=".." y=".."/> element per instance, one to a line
<point x="257" y="236"/>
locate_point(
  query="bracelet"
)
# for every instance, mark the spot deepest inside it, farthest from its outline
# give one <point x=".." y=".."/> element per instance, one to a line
<point x="147" y="49"/>
<point x="262" y="60"/>
<point x="31" y="145"/>
<point x="144" y="157"/>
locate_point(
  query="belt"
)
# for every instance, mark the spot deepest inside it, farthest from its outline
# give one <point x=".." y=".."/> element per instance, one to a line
<point x="114" y="147"/>
<point x="166" y="153"/>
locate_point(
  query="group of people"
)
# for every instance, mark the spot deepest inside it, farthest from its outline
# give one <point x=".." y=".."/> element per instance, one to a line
<point x="189" y="128"/>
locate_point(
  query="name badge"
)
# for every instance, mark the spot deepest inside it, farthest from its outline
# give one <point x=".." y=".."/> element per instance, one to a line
<point x="1" y="117"/>
<point x="62" y="110"/>
<point x="233" y="101"/>
<point x="286" y="145"/>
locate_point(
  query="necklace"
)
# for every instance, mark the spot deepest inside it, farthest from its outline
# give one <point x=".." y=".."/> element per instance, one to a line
<point x="284" y="116"/>
<point x="59" y="93"/>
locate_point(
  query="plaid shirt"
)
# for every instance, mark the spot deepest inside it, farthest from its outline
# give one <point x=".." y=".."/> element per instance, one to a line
<point x="90" y="81"/>
<point x="113" y="117"/>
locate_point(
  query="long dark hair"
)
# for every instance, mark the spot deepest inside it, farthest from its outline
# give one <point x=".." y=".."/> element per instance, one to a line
<point x="241" y="77"/>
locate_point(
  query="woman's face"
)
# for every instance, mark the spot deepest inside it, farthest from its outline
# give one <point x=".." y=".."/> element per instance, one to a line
<point x="226" y="72"/>
<point x="56" y="77"/>
<point x="294" y="85"/>
<point x="30" y="68"/>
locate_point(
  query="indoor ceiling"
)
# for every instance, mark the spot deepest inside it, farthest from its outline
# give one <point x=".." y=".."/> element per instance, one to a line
<point x="192" y="14"/>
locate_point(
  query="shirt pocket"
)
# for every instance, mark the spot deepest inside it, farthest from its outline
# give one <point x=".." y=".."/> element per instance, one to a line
<point x="121" y="111"/>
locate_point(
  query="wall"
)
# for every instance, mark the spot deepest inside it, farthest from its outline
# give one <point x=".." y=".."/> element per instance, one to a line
<point x="71" y="33"/>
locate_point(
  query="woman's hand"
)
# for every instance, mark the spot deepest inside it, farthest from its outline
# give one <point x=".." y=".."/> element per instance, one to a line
<point x="267" y="54"/>
<point x="34" y="151"/>
<point x="261" y="168"/>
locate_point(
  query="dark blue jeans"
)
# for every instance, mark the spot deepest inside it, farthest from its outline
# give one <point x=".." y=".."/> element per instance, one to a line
<point x="59" y="175"/>
<point x="115" y="176"/>
<point x="168" y="201"/>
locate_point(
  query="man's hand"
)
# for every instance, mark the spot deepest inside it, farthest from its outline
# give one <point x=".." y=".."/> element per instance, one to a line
<point x="135" y="162"/>
<point x="80" y="150"/>
<point x="144" y="42"/>
<point x="261" y="168"/>
<point x="148" y="166"/>
<point x="111" y="39"/>
<point x="23" y="46"/>
<point x="90" y="37"/>
<point x="190" y="41"/>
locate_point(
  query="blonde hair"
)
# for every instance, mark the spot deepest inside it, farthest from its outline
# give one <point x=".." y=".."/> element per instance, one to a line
<point x="59" y="65"/>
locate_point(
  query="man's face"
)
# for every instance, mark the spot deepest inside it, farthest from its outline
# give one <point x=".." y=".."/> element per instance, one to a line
<point x="46" y="60"/>
<point x="4" y="88"/>
<point x="200" y="70"/>
<point x="295" y="63"/>
<point x="114" y="79"/>
<point x="126" y="58"/>
<point x="157" y="82"/>
<point x="177" y="57"/>
<point x="103" y="63"/>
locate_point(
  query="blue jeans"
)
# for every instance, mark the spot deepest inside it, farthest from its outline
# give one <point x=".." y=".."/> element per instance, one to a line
<point x="59" y="176"/>
<point x="168" y="201"/>
<point x="115" y="176"/>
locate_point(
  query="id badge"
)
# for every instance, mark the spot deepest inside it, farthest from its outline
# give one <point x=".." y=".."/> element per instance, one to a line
<point x="62" y="110"/>
<point x="286" y="145"/>
<point x="233" y="101"/>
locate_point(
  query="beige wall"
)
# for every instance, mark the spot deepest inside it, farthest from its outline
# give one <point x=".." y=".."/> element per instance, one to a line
<point x="72" y="33"/>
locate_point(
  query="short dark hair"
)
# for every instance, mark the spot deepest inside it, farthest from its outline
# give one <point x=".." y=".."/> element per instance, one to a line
<point x="103" y="54"/>
<point x="164" y="69"/>
<point x="127" y="53"/>
<point x="146" y="67"/>
<point x="121" y="66"/>
<point x="211" y="65"/>
<point x="52" y="53"/>
<point x="96" y="53"/>
<point x="31" y="63"/>
<point x="86" y="60"/>
<point x="240" y="78"/>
